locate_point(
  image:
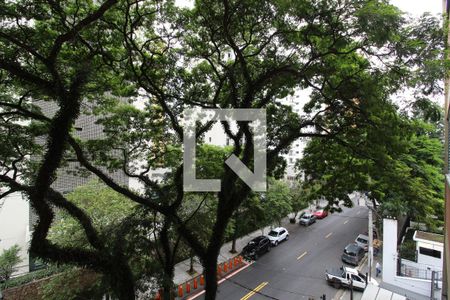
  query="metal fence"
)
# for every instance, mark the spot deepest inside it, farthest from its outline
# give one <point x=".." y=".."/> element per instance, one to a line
<point x="419" y="272"/>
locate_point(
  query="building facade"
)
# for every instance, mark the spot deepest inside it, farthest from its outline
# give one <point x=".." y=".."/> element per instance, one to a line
<point x="17" y="217"/>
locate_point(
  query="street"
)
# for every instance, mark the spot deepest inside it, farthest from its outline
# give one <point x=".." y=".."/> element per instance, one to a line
<point x="296" y="268"/>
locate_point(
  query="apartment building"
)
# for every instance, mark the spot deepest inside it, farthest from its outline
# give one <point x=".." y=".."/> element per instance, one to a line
<point x="17" y="217"/>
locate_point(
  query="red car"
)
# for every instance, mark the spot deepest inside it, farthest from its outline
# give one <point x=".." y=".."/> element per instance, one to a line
<point x="321" y="213"/>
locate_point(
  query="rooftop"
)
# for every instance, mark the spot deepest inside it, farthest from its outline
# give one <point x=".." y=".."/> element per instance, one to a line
<point x="428" y="236"/>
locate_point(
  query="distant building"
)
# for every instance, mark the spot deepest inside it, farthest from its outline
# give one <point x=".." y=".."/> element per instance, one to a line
<point x="15" y="228"/>
<point x="16" y="216"/>
<point x="429" y="249"/>
<point x="416" y="279"/>
<point x="217" y="136"/>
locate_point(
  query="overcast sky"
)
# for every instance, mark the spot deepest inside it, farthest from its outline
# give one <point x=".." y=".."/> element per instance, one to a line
<point x="417" y="7"/>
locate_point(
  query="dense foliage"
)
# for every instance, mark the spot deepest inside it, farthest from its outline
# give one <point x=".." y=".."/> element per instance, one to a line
<point x="8" y="261"/>
<point x="401" y="172"/>
<point x="135" y="66"/>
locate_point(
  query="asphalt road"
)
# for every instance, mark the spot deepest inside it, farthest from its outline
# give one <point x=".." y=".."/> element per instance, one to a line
<point x="296" y="268"/>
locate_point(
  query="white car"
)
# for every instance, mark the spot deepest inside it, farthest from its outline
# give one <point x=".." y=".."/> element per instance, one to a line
<point x="278" y="235"/>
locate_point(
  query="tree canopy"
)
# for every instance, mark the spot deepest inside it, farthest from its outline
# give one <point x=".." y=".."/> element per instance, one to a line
<point x="400" y="171"/>
<point x="136" y="66"/>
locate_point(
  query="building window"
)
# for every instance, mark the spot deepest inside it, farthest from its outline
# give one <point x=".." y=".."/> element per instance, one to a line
<point x="78" y="128"/>
<point x="228" y="142"/>
<point x="430" y="252"/>
<point x="210" y="139"/>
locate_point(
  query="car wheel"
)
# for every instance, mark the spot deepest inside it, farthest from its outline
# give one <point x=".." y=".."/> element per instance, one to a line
<point x="287" y="237"/>
<point x="276" y="243"/>
<point x="256" y="257"/>
<point x="336" y="284"/>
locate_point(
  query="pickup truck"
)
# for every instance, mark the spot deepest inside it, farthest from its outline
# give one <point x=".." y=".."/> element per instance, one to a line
<point x="343" y="276"/>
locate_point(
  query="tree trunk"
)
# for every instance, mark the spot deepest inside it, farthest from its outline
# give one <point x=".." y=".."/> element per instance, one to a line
<point x="167" y="284"/>
<point x="191" y="263"/>
<point x="233" y="245"/>
<point x="235" y="234"/>
<point x="210" y="261"/>
<point x="123" y="283"/>
<point x="210" y="269"/>
<point x="168" y="262"/>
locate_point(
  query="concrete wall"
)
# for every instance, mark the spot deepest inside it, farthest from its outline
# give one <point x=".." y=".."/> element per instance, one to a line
<point x="435" y="263"/>
<point x="446" y="264"/>
<point x="14" y="228"/>
<point x="389" y="250"/>
<point x="390" y="255"/>
<point x="423" y="271"/>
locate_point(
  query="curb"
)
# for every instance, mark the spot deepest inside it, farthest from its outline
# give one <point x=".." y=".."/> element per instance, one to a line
<point x="195" y="286"/>
<point x="221" y="280"/>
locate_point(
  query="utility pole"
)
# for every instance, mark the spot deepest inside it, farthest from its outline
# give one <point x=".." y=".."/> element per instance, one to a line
<point x="369" y="205"/>
<point x="370" y="252"/>
<point x="433" y="278"/>
<point x="351" y="289"/>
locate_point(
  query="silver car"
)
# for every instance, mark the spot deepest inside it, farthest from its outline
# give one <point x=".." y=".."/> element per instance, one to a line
<point x="362" y="241"/>
<point x="307" y="219"/>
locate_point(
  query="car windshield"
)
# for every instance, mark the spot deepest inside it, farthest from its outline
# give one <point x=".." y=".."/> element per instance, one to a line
<point x="306" y="217"/>
<point x="349" y="252"/>
<point x="361" y="240"/>
<point x="273" y="233"/>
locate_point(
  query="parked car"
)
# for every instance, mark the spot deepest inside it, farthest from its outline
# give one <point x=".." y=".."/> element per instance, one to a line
<point x="256" y="247"/>
<point x="321" y="213"/>
<point x="307" y="219"/>
<point x="277" y="235"/>
<point x="375" y="234"/>
<point x="362" y="241"/>
<point x="353" y="254"/>
<point x="343" y="276"/>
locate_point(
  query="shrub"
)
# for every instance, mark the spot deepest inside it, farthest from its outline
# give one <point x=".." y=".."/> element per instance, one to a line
<point x="8" y="259"/>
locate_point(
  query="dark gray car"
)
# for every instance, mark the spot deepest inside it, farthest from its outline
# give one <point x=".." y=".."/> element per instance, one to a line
<point x="256" y="247"/>
<point x="353" y="254"/>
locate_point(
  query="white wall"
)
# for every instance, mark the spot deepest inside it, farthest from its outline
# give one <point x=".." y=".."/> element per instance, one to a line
<point x="389" y="271"/>
<point x="14" y="229"/>
<point x="435" y="263"/>
<point x="411" y="267"/>
<point x="217" y="136"/>
<point x="389" y="250"/>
